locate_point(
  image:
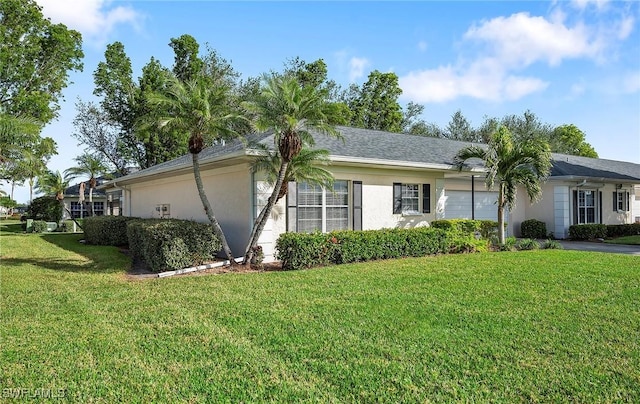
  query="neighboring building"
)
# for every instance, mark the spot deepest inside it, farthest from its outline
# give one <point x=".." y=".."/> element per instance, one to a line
<point x="382" y="180"/>
<point x="103" y="204"/>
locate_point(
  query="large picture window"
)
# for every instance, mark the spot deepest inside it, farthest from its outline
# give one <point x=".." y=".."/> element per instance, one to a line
<point x="319" y="209"/>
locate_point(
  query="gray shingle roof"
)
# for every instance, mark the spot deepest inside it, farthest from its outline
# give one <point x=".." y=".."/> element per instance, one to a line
<point x="367" y="144"/>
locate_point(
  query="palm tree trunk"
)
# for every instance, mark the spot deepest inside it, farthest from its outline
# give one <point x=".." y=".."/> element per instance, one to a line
<point x="501" y="204"/>
<point x="13" y="187"/>
<point x="207" y="208"/>
<point x="30" y="190"/>
<point x="261" y="221"/>
<point x="91" y="212"/>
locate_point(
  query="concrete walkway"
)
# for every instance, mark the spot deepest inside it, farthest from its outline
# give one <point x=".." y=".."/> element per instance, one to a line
<point x="601" y="247"/>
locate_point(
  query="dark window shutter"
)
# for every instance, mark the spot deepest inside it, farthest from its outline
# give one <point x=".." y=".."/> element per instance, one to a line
<point x="357" y="205"/>
<point x="292" y="206"/>
<point x="397" y="197"/>
<point x="426" y="198"/>
<point x="615" y="201"/>
<point x="600" y="206"/>
<point x="575" y="207"/>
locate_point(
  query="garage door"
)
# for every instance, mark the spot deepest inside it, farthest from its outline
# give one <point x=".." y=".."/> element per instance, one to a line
<point x="458" y="205"/>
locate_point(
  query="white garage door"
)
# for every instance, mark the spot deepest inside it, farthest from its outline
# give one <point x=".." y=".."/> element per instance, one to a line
<point x="458" y="205"/>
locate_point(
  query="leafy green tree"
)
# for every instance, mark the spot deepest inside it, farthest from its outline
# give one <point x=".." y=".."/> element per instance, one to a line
<point x="34" y="160"/>
<point x="375" y="105"/>
<point x="16" y="132"/>
<point x="95" y="130"/>
<point x="91" y="167"/>
<point x="568" y="139"/>
<point x="510" y="163"/>
<point x="308" y="166"/>
<point x="202" y="111"/>
<point x="187" y="63"/>
<point x="36" y="57"/>
<point x="45" y="208"/>
<point x="7" y="203"/>
<point x="459" y="128"/>
<point x="291" y="111"/>
<point x="53" y="184"/>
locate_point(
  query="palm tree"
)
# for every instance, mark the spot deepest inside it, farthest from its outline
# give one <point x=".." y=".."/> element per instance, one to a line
<point x="291" y="111"/>
<point x="527" y="164"/>
<point x="201" y="109"/>
<point x="89" y="166"/>
<point x="52" y="183"/>
<point x="305" y="167"/>
<point x="15" y="132"/>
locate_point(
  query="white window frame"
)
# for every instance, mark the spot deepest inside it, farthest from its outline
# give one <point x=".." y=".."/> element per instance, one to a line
<point x="622" y="203"/>
<point x="324" y="206"/>
<point x="582" y="204"/>
<point x="410" y="196"/>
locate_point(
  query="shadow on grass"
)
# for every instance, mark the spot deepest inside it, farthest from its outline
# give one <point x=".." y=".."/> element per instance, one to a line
<point x="11" y="227"/>
<point x="97" y="259"/>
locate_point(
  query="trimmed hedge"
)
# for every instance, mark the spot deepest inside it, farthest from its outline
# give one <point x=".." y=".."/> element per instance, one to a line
<point x="170" y="244"/>
<point x="621" y="230"/>
<point x="587" y="231"/>
<point x="39" y="226"/>
<point x="106" y="230"/>
<point x="304" y="250"/>
<point x="533" y="228"/>
<point x="486" y="228"/>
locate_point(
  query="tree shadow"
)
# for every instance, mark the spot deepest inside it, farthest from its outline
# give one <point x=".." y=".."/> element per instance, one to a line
<point x="11" y="227"/>
<point x="97" y="259"/>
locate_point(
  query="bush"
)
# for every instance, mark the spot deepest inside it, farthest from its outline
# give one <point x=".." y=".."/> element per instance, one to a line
<point x="509" y="244"/>
<point x="621" y="230"/>
<point x="533" y="228"/>
<point x="587" y="231"/>
<point x="552" y="245"/>
<point x="527" y="244"/>
<point x="39" y="226"/>
<point x="45" y="208"/>
<point x="303" y="250"/>
<point x="486" y="228"/>
<point x="170" y="244"/>
<point x="106" y="230"/>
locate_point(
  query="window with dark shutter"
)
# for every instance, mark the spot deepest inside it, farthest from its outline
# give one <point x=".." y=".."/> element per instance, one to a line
<point x="292" y="206"/>
<point x="426" y="198"/>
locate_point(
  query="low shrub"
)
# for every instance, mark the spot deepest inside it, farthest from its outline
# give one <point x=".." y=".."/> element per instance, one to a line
<point x="533" y="228"/>
<point x="485" y="228"/>
<point x="551" y="245"/>
<point x="527" y="244"/>
<point x="587" y="231"/>
<point x="622" y="230"/>
<point x="509" y="244"/>
<point x="39" y="226"/>
<point x="170" y="244"/>
<point x="304" y="250"/>
<point x="106" y="230"/>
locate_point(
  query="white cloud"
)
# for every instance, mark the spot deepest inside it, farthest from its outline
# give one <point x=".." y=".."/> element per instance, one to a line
<point x="631" y="83"/>
<point x="484" y="80"/>
<point x="582" y="4"/>
<point x="520" y="39"/>
<point x="626" y="27"/>
<point x="422" y="46"/>
<point x="95" y="19"/>
<point x="356" y="68"/>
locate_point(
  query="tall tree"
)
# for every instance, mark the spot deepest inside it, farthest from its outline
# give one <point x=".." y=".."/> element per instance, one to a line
<point x="34" y="160"/>
<point x="36" y="57"/>
<point x="510" y="163"/>
<point x="202" y="111"/>
<point x="187" y="64"/>
<point x="16" y="133"/>
<point x="459" y="128"/>
<point x="375" y="105"/>
<point x="54" y="184"/>
<point x="568" y="139"/>
<point x="291" y="111"/>
<point x="95" y="130"/>
<point x="91" y="167"/>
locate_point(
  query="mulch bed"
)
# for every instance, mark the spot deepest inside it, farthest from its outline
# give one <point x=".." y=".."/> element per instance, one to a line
<point x="140" y="271"/>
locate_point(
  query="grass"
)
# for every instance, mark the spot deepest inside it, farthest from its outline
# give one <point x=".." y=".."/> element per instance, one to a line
<point x="631" y="240"/>
<point x="551" y="326"/>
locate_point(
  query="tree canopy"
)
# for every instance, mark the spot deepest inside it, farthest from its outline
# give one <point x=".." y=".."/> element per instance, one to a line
<point x="36" y="57"/>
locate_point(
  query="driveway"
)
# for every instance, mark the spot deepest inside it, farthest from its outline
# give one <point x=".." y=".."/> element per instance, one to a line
<point x="601" y="247"/>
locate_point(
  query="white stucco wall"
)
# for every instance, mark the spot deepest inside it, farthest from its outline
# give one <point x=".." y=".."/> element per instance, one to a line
<point x="228" y="190"/>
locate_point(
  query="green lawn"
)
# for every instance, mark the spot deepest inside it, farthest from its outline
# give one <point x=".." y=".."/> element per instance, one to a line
<point x="632" y="240"/>
<point x="552" y="326"/>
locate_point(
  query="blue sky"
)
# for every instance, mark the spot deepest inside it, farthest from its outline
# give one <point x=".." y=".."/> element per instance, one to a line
<point x="569" y="62"/>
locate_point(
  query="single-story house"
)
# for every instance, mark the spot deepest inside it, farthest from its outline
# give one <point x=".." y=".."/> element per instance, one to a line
<point x="103" y="204"/>
<point x="382" y="180"/>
